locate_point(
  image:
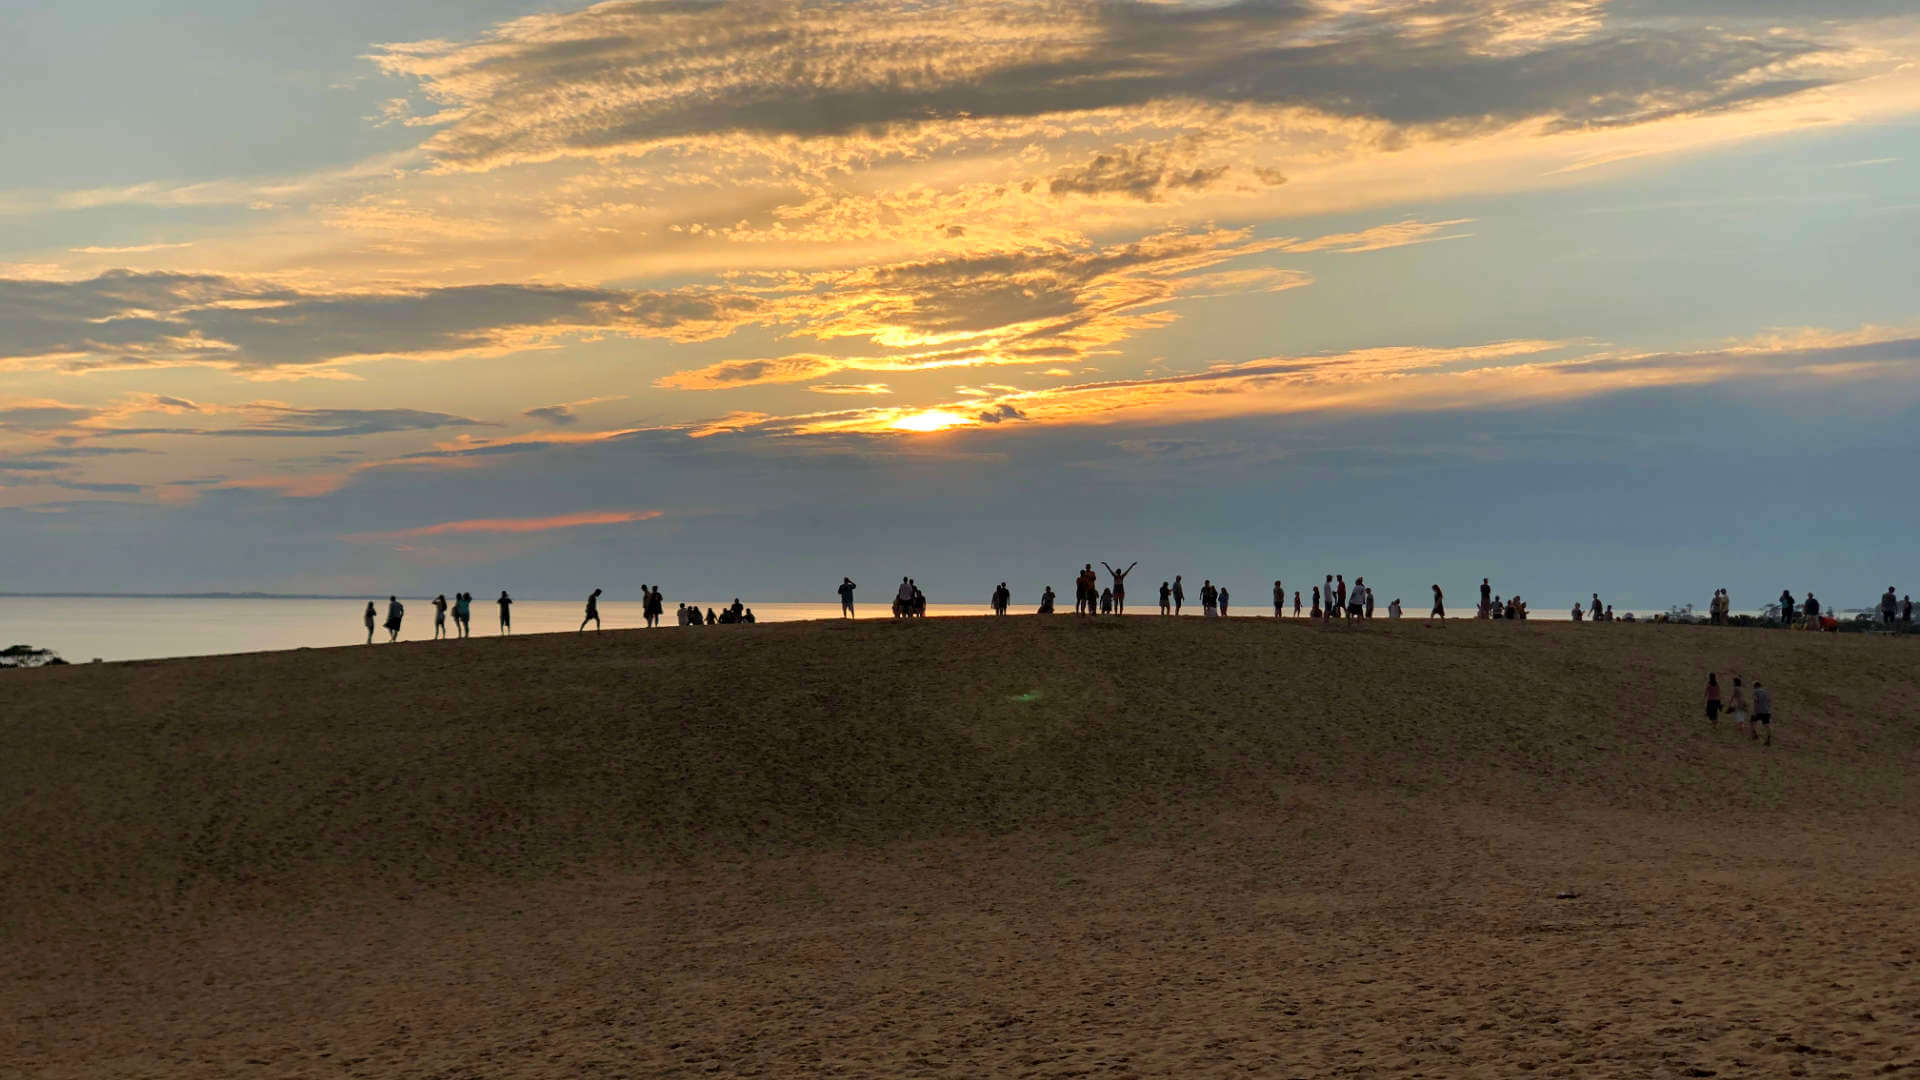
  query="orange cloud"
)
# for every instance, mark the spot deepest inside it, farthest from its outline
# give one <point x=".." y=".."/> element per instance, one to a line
<point x="515" y="525"/>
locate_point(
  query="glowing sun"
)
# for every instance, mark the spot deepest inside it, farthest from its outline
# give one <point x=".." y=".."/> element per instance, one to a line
<point x="930" y="420"/>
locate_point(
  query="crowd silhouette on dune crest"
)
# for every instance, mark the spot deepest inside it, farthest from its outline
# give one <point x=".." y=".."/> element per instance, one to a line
<point x="1330" y="602"/>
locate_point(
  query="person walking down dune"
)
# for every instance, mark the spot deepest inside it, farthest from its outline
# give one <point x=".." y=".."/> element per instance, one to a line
<point x="370" y="616"/>
<point x="506" y="612"/>
<point x="1737" y="704"/>
<point x="1002" y="596"/>
<point x="1713" y="700"/>
<point x="593" y="612"/>
<point x="1179" y="594"/>
<point x="1762" y="712"/>
<point x="846" y="597"/>
<point x="440" y="616"/>
<point x="1120" y="585"/>
<point x="395" y="611"/>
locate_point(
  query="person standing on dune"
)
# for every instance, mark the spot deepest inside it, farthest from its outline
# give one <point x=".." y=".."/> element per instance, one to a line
<point x="506" y="612"/>
<point x="593" y="612"/>
<point x="370" y="615"/>
<point x="1296" y="603"/>
<point x="1486" y="599"/>
<point x="395" y="611"/>
<point x="440" y="616"/>
<point x="1166" y="599"/>
<point x="1439" y="606"/>
<point x="846" y="597"/>
<point x="1279" y="600"/>
<point x="1179" y="594"/>
<point x="1002" y="596"/>
<point x="463" y="613"/>
<point x="1120" y="585"/>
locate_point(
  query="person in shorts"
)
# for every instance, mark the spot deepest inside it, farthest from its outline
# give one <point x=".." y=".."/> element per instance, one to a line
<point x="1762" y="712"/>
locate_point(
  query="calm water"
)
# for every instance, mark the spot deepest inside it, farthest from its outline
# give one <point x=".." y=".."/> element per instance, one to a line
<point x="115" y="628"/>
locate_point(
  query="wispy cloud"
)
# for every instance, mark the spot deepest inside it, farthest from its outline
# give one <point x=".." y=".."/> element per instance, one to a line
<point x="514" y="525"/>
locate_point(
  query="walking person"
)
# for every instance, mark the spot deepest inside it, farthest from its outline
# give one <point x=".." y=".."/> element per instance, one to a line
<point x="1762" y="712"/>
<point x="1296" y="603"/>
<point x="1713" y="700"/>
<point x="506" y="612"/>
<point x="1439" y="607"/>
<point x="593" y="612"/>
<point x="1179" y="594"/>
<point x="1166" y="599"/>
<point x="1120" y="585"/>
<point x="1596" y="607"/>
<point x="846" y="597"/>
<point x="440" y="616"/>
<point x="395" y="611"/>
<point x="1737" y="703"/>
<point x="370" y="615"/>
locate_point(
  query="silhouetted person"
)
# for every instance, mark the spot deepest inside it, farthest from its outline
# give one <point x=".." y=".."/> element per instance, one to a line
<point x="1596" y="605"/>
<point x="1279" y="600"/>
<point x="1179" y="594"/>
<point x="1106" y="601"/>
<point x="1221" y="596"/>
<point x="1326" y="598"/>
<point x="1209" y="596"/>
<point x="1087" y="590"/>
<point x="738" y="610"/>
<point x="1762" y="712"/>
<point x="1906" y="613"/>
<point x="1393" y="609"/>
<point x="712" y="619"/>
<point x="1439" y="606"/>
<point x="918" y="607"/>
<point x="463" y="613"/>
<point x="440" y="616"/>
<point x="593" y="613"/>
<point x="1811" y="608"/>
<point x="1318" y="612"/>
<point x="371" y="615"/>
<point x="1166" y="599"/>
<point x="1369" y="593"/>
<point x="1713" y="700"/>
<point x="1486" y="604"/>
<point x="747" y="617"/>
<point x="903" y="599"/>
<point x="1296" y="603"/>
<point x="395" y="611"/>
<point x="846" y="596"/>
<point x="1120" y="585"/>
<point x="506" y="612"/>
<point x="1046" y="601"/>
<point x="1786" y="609"/>
<point x="1002" y="596"/>
<point x="1340" y="586"/>
<point x="1889" y="607"/>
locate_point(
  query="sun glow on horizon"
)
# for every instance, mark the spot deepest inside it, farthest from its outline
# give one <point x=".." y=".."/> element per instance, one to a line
<point x="931" y="420"/>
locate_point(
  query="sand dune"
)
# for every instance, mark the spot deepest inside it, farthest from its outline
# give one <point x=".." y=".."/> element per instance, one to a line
<point x="968" y="848"/>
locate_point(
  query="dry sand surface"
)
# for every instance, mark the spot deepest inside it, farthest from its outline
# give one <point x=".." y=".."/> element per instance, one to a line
<point x="968" y="848"/>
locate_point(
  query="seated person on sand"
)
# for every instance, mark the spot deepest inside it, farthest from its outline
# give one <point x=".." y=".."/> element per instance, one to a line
<point x="1393" y="609"/>
<point x="748" y="617"/>
<point x="1106" y="601"/>
<point x="1046" y="601"/>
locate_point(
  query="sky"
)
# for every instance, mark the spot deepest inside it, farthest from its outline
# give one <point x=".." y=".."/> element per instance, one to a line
<point x="738" y="297"/>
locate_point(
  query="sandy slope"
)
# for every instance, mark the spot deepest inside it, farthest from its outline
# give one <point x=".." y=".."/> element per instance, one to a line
<point x="966" y="848"/>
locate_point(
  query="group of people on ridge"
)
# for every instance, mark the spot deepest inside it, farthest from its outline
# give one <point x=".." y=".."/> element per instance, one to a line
<point x="462" y="609"/>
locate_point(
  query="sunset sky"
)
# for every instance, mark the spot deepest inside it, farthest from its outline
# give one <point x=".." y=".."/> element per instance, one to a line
<point x="739" y="297"/>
